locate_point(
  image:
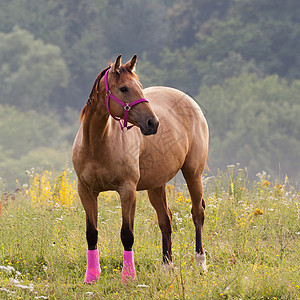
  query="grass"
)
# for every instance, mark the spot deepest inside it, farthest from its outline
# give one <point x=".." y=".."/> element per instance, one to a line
<point x="251" y="235"/>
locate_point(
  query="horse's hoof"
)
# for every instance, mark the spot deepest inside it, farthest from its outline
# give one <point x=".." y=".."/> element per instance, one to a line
<point x="128" y="271"/>
<point x="168" y="267"/>
<point x="92" y="275"/>
<point x="93" y="269"/>
<point x="201" y="261"/>
<point x="128" y="274"/>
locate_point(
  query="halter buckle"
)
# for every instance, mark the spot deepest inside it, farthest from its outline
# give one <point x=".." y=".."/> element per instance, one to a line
<point x="127" y="107"/>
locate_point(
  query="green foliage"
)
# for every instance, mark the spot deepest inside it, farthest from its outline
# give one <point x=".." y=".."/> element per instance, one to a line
<point x="251" y="236"/>
<point x="231" y="66"/>
<point x="143" y="27"/>
<point x="254" y="121"/>
<point x="30" y="71"/>
<point x="266" y="31"/>
<point x="177" y="68"/>
<point x="186" y="18"/>
<point x="30" y="140"/>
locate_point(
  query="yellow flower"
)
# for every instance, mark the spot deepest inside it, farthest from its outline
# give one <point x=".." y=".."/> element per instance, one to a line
<point x="170" y="187"/>
<point x="232" y="188"/>
<point x="65" y="190"/>
<point x="40" y="189"/>
<point x="258" y="212"/>
<point x="266" y="183"/>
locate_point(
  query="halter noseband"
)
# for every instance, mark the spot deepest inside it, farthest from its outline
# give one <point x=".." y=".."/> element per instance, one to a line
<point x="126" y="106"/>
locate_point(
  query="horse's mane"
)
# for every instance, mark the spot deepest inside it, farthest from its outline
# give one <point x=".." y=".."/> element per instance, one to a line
<point x="93" y="93"/>
<point x="95" y="89"/>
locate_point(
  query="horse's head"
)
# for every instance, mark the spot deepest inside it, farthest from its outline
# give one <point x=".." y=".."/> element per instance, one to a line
<point x="124" y="87"/>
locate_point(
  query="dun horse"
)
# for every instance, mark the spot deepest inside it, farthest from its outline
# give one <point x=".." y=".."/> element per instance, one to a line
<point x="169" y="133"/>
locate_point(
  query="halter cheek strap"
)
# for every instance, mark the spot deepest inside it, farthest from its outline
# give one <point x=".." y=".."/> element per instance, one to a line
<point x="126" y="106"/>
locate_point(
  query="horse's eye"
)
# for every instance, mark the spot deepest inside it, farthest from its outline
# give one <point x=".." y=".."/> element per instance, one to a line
<point x="123" y="89"/>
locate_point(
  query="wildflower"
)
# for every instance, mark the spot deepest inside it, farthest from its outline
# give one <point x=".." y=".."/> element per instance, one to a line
<point x="170" y="187"/>
<point x="143" y="286"/>
<point x="7" y="291"/>
<point x="266" y="183"/>
<point x="258" y="212"/>
<point x="29" y="287"/>
<point x="278" y="189"/>
<point x="232" y="188"/>
<point x="8" y="269"/>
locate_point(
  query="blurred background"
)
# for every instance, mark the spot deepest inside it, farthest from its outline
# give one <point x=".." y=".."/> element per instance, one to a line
<point x="239" y="59"/>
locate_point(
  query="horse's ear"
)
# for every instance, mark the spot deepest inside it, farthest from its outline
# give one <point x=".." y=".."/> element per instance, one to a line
<point x="116" y="65"/>
<point x="132" y="63"/>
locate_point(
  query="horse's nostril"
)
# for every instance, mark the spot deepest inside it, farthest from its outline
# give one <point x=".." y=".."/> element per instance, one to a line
<point x="151" y="124"/>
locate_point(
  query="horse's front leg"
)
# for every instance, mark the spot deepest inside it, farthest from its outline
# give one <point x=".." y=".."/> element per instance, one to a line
<point x="128" y="203"/>
<point x="89" y="202"/>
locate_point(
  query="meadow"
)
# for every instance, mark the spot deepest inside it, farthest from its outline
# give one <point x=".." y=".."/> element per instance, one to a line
<point x="251" y="237"/>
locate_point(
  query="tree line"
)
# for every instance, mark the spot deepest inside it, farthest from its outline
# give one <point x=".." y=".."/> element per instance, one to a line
<point x="238" y="59"/>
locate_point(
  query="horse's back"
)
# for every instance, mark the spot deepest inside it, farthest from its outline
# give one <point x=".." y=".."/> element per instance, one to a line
<point x="182" y="135"/>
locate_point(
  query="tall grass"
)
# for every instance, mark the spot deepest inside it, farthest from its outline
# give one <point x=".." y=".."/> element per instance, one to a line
<point x="251" y="235"/>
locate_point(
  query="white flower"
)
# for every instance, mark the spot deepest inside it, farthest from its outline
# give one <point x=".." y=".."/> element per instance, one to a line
<point x="7" y="291"/>
<point x="8" y="269"/>
<point x="29" y="287"/>
<point x="143" y="286"/>
<point x="14" y="281"/>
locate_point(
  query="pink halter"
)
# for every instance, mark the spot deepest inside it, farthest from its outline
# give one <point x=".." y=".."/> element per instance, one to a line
<point x="126" y="106"/>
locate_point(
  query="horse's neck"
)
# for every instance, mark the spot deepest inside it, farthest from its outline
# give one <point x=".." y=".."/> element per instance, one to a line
<point x="95" y="125"/>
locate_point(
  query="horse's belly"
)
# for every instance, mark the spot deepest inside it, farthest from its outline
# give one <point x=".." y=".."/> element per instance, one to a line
<point x="150" y="181"/>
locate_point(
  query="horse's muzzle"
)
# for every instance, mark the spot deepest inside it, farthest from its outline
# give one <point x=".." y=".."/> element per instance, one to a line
<point x="150" y="127"/>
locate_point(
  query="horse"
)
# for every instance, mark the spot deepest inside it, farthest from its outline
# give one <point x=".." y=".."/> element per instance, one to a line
<point x="168" y="133"/>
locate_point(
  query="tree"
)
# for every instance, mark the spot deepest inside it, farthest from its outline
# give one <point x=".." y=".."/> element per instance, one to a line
<point x="266" y="31"/>
<point x="187" y="17"/>
<point x="133" y="26"/>
<point x="30" y="139"/>
<point x="177" y="68"/>
<point x="231" y="66"/>
<point x="30" y="69"/>
<point x="73" y="26"/>
<point x="255" y="122"/>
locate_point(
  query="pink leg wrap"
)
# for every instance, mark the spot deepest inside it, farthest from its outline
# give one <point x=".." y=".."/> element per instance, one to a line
<point x="128" y="271"/>
<point x="93" y="269"/>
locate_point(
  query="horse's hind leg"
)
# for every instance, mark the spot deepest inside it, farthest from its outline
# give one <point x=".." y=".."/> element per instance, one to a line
<point x="159" y="201"/>
<point x="195" y="186"/>
<point x="89" y="202"/>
